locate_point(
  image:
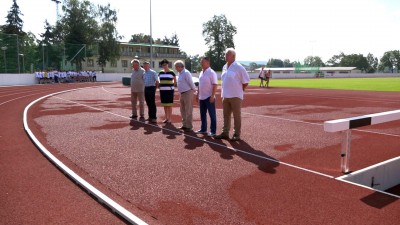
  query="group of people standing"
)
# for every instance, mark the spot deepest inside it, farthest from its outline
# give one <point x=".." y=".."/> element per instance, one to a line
<point x="55" y="76"/>
<point x="145" y="81"/>
<point x="264" y="77"/>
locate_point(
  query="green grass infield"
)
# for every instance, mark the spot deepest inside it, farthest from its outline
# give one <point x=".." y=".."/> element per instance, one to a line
<point x="367" y="84"/>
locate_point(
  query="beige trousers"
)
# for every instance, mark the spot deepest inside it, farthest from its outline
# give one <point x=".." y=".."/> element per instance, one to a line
<point x="135" y="96"/>
<point x="232" y="105"/>
<point x="186" y="101"/>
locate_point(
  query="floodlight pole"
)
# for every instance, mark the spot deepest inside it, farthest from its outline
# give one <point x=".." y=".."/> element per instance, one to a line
<point x="4" y="48"/>
<point x="23" y="64"/>
<point x="43" y="56"/>
<point x="151" y="40"/>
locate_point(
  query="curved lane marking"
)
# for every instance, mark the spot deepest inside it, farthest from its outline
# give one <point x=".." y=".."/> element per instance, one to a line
<point x="102" y="198"/>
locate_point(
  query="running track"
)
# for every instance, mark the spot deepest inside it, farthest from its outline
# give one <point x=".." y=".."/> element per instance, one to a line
<point x="281" y="173"/>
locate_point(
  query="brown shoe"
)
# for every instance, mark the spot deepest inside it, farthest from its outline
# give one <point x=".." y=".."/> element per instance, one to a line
<point x="187" y="129"/>
<point x="222" y="136"/>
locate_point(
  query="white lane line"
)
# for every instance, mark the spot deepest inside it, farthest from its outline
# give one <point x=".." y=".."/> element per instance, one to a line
<point x="201" y="139"/>
<point x="128" y="216"/>
<point x="231" y="148"/>
<point x="318" y="124"/>
<point x="342" y="98"/>
<point x="369" y="188"/>
<point x="20" y="98"/>
<point x="102" y="87"/>
<point x="296" y="121"/>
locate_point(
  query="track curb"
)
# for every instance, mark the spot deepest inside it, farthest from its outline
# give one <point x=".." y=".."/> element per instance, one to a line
<point x="101" y="198"/>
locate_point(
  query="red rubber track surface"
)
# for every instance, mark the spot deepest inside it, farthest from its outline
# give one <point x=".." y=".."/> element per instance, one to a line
<point x="32" y="190"/>
<point x="165" y="177"/>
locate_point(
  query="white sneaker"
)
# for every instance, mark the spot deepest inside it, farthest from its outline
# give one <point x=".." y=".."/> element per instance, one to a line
<point x="211" y="134"/>
<point x="200" y="132"/>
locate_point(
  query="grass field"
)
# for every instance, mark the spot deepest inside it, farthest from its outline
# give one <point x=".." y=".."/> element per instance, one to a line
<point x="368" y="84"/>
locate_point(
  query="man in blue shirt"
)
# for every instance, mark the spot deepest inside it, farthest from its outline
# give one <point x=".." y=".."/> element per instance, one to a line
<point x="151" y="82"/>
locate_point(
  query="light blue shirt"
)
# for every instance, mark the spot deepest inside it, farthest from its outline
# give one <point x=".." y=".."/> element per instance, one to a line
<point x="150" y="78"/>
<point x="185" y="81"/>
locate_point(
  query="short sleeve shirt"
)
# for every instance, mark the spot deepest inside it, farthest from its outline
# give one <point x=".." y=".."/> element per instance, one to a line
<point x="207" y="80"/>
<point x="150" y="78"/>
<point x="233" y="79"/>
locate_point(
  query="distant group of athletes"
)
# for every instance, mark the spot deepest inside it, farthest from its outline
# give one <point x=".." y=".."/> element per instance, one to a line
<point x="55" y="76"/>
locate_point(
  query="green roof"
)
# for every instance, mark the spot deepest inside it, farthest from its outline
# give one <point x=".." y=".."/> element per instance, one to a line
<point x="148" y="45"/>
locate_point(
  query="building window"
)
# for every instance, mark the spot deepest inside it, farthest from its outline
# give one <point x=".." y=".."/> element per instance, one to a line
<point x="124" y="63"/>
<point x="90" y="63"/>
<point x="113" y="63"/>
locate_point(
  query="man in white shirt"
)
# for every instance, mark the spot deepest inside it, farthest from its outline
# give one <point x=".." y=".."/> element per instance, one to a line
<point x="208" y="83"/>
<point x="234" y="81"/>
<point x="187" y="88"/>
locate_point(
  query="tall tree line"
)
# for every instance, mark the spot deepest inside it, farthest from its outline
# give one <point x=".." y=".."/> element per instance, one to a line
<point x="83" y="30"/>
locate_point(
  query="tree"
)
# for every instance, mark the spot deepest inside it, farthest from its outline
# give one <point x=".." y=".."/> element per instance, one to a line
<point x="357" y="60"/>
<point x="14" y="23"/>
<point x="314" y="61"/>
<point x="253" y="66"/>
<point x="140" y="38"/>
<point x="174" y="40"/>
<point x="275" y="63"/>
<point x="30" y="53"/>
<point x="79" y="29"/>
<point x="287" y="63"/>
<point x="192" y="63"/>
<point x="218" y="34"/>
<point x="335" y="60"/>
<point x="390" y="60"/>
<point x="49" y="48"/>
<point x="372" y="62"/>
<point x="108" y="46"/>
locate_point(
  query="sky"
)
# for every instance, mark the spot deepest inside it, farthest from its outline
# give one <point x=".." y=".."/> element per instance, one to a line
<point x="282" y="29"/>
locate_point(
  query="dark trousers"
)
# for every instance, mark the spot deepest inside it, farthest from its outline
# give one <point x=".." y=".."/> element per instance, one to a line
<point x="205" y="106"/>
<point x="150" y="98"/>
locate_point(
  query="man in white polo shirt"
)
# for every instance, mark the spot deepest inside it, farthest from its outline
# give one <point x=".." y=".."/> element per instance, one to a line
<point x="234" y="81"/>
<point x="208" y="83"/>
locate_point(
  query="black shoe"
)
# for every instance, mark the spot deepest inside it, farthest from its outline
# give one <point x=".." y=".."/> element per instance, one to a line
<point x="235" y="138"/>
<point x="182" y="128"/>
<point x="133" y="117"/>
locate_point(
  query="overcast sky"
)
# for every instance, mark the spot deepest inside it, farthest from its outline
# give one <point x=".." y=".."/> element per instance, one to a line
<point x="285" y="29"/>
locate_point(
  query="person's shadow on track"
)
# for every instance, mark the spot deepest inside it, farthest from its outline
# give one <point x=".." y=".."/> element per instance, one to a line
<point x="264" y="162"/>
<point x="192" y="142"/>
<point x="151" y="128"/>
<point x="170" y="130"/>
<point x="220" y="147"/>
<point x="242" y="149"/>
<point x="136" y="124"/>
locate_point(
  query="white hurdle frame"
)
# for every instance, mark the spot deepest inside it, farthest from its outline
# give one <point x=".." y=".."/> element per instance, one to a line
<point x="345" y="126"/>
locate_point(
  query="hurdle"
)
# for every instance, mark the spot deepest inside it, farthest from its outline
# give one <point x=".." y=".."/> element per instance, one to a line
<point x="345" y="126"/>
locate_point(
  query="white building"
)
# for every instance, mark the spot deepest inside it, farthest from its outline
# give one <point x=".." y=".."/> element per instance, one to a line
<point x="129" y="51"/>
